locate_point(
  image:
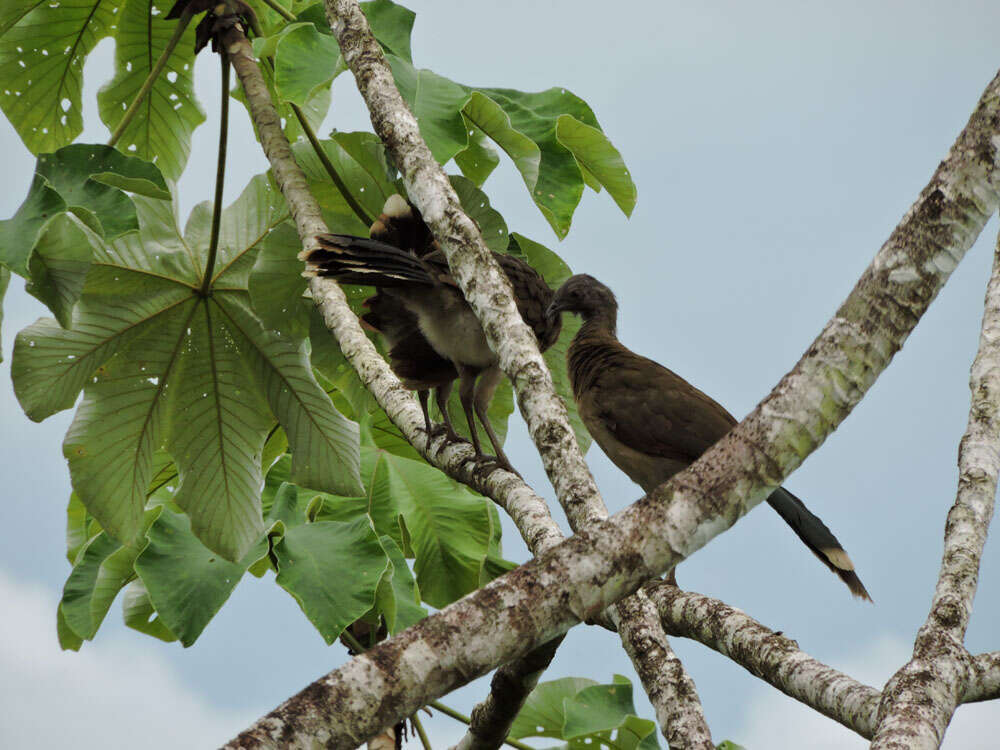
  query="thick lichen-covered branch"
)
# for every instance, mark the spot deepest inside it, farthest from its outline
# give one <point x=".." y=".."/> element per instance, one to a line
<point x="921" y="697"/>
<point x="610" y="559"/>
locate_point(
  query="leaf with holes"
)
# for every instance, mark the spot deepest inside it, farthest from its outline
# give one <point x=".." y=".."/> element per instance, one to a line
<point x="43" y="46"/>
<point x="161" y="130"/>
<point x="585" y="715"/>
<point x="162" y="364"/>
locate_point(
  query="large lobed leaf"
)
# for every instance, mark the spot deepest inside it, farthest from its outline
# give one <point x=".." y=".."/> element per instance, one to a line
<point x="450" y="531"/>
<point x="161" y="365"/>
<point x="43" y="46"/>
<point x="552" y="136"/>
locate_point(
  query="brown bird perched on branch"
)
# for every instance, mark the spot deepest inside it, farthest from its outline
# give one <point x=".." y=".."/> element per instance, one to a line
<point x="652" y="423"/>
<point x="424" y="289"/>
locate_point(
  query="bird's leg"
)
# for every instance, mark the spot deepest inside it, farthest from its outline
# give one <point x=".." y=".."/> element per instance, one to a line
<point x="445" y="428"/>
<point x="485" y="388"/>
<point x="466" y="389"/>
<point x="441" y="394"/>
<point x="424" y="395"/>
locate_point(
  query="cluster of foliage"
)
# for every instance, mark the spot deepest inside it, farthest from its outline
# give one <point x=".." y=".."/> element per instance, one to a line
<point x="220" y="430"/>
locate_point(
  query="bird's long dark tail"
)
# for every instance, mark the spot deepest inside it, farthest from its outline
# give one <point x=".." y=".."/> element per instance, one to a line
<point x="817" y="537"/>
<point x="358" y="260"/>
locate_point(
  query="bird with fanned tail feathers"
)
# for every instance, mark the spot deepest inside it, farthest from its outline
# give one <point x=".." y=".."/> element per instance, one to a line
<point x="432" y="333"/>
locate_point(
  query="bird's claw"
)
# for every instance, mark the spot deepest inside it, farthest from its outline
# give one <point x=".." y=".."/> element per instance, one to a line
<point x="485" y="465"/>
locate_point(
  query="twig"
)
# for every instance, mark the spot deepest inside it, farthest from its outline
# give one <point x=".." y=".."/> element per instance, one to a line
<point x="424" y="740"/>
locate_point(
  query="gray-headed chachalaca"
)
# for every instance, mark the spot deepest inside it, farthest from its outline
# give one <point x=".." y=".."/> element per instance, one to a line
<point x="652" y="423"/>
<point x="425" y="290"/>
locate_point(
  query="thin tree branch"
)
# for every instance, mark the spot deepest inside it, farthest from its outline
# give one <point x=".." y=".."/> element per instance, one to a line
<point x="921" y="697"/>
<point x="158" y="66"/>
<point x="510" y="687"/>
<point x="772" y="657"/>
<point x="220" y="179"/>
<point x="488" y="292"/>
<point x="984" y="682"/>
<point x="581" y="576"/>
<point x="670" y="688"/>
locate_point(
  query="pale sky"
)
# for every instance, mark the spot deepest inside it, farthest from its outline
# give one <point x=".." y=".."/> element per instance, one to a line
<point x="774" y="145"/>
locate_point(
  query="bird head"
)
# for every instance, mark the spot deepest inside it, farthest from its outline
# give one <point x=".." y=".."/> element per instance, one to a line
<point x="586" y="296"/>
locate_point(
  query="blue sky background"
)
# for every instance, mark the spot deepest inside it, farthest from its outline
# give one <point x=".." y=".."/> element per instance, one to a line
<point x="775" y="145"/>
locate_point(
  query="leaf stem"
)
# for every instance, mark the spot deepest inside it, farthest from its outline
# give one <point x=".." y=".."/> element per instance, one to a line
<point x="466" y="720"/>
<point x="220" y="177"/>
<point x="424" y="739"/>
<point x="356" y="207"/>
<point x="158" y="67"/>
<point x="353" y="643"/>
<point x="338" y="182"/>
<point x="279" y="10"/>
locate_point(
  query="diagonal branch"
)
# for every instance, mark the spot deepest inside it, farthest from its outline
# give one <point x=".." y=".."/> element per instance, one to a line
<point x="581" y="576"/>
<point x="921" y="697"/>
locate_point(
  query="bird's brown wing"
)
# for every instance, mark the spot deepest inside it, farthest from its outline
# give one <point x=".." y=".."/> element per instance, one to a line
<point x="654" y="411"/>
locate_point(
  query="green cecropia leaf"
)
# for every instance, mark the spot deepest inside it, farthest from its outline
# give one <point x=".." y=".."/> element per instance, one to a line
<point x="162" y="365"/>
<point x="43" y="46"/>
<point x="585" y="715"/>
<point x="552" y="136"/>
<point x="449" y="530"/>
<point x="160" y="132"/>
<point x="88" y="180"/>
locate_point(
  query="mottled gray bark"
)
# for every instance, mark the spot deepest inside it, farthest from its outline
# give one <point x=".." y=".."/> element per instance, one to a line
<point x="670" y="688"/>
<point x="919" y="700"/>
<point x="984" y="682"/>
<point x="773" y="657"/>
<point x="610" y="559"/>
